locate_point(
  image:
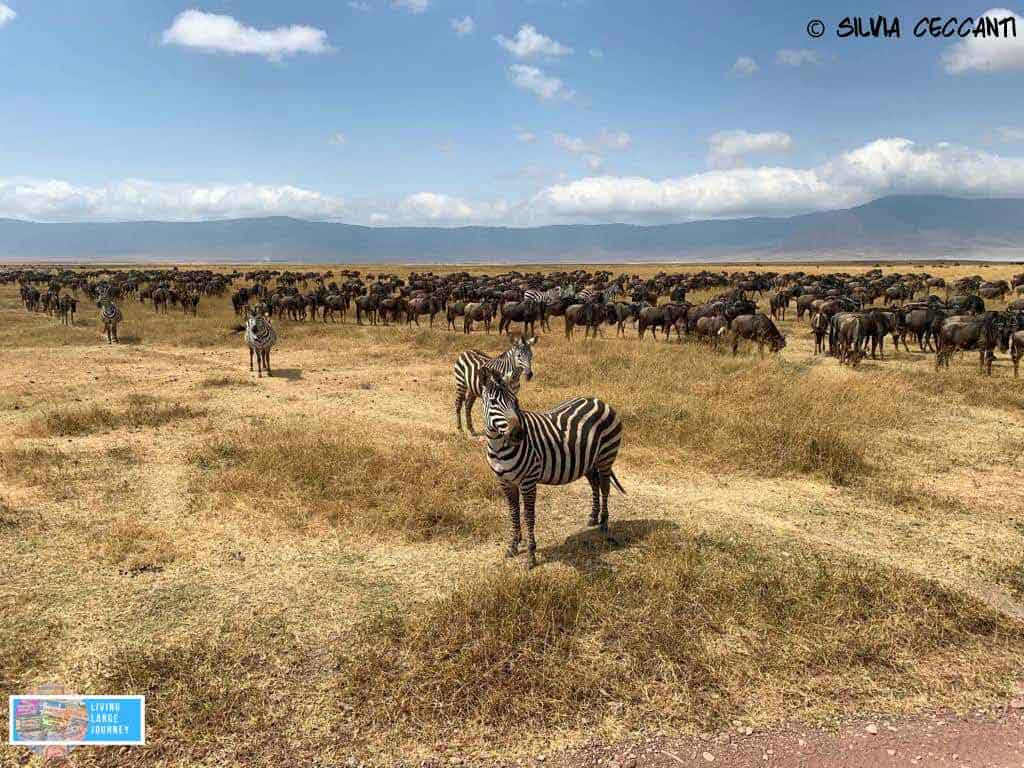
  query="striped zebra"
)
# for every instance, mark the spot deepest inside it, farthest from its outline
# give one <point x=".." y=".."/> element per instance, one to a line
<point x="516" y="361"/>
<point x="597" y="296"/>
<point x="260" y="336"/>
<point x="111" y="316"/>
<point x="577" y="438"/>
<point x="547" y="298"/>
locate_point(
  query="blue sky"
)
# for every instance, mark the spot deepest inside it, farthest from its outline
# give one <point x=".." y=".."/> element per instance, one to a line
<point x="518" y="112"/>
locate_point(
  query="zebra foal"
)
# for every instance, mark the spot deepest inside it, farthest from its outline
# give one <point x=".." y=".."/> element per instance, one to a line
<point x="577" y="438"/>
<point x="515" y="362"/>
<point x="260" y="336"/>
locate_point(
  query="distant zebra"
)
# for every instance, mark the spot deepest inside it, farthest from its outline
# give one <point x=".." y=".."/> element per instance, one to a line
<point x="260" y="336"/>
<point x="67" y="308"/>
<point x="515" y="362"/>
<point x="111" y="316"/>
<point x="578" y="438"/>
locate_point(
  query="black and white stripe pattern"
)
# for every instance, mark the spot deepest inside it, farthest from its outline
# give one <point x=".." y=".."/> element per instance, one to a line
<point x="510" y="366"/>
<point x="547" y="298"/>
<point x="111" y="316"/>
<point x="578" y="438"/>
<point x="260" y="336"/>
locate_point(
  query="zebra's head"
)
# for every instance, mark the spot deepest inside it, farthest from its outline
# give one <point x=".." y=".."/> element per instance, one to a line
<point x="522" y="355"/>
<point x="256" y="320"/>
<point x="502" y="417"/>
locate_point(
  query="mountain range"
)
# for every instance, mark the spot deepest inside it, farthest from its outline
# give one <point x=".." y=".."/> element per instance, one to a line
<point x="895" y="227"/>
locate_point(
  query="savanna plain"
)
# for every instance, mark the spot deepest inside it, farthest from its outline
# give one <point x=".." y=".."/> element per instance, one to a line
<point x="308" y="569"/>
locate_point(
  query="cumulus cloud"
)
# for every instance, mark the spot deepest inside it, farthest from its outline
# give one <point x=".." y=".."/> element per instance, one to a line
<point x="1010" y="134"/>
<point x="338" y="139"/>
<point x="412" y="6"/>
<point x="214" y="32"/>
<point x="529" y="43"/>
<point x="729" y="147"/>
<point x="464" y="26"/>
<point x="883" y="167"/>
<point x="544" y="87"/>
<point x="437" y="208"/>
<point x="988" y="54"/>
<point x="526" y="137"/>
<point x="6" y="14"/>
<point x="745" y="65"/>
<point x="359" y="5"/>
<point x="592" y="151"/>
<point x="135" y="199"/>
<point x="792" y="57"/>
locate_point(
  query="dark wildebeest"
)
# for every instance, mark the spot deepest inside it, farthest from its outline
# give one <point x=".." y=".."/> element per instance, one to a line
<point x="874" y="325"/>
<point x="588" y="315"/>
<point x="1016" y="350"/>
<point x="525" y="312"/>
<point x="848" y="327"/>
<point x="423" y="305"/>
<point x="653" y="318"/>
<point x="334" y="303"/>
<point x="455" y="309"/>
<point x="366" y="305"/>
<point x="619" y="312"/>
<point x="819" y="325"/>
<point x="962" y="332"/>
<point x="919" y="322"/>
<point x="779" y="303"/>
<point x="68" y="306"/>
<point x="968" y="304"/>
<point x="803" y="304"/>
<point x="710" y="327"/>
<point x="758" y="328"/>
<point x="482" y="312"/>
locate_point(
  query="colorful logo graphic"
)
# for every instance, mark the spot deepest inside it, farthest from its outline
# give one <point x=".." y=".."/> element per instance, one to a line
<point x="52" y="723"/>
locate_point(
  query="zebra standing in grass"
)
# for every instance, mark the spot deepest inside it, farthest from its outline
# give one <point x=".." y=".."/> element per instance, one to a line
<point x="260" y="336"/>
<point x="578" y="438"/>
<point x="111" y="316"/>
<point x="515" y="362"/>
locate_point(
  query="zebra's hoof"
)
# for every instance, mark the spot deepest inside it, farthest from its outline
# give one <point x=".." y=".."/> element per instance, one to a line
<point x="531" y="563"/>
<point x="512" y="552"/>
<point x="593" y="521"/>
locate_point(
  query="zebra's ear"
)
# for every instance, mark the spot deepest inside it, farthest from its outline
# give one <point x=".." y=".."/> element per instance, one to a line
<point x="486" y="377"/>
<point x="531" y="341"/>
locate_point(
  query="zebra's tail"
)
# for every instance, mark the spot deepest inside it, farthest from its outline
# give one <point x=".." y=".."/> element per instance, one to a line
<point x="617" y="483"/>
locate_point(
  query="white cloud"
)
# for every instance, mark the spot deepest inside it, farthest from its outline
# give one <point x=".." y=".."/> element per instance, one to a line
<point x="436" y="208"/>
<point x="728" y="147"/>
<point x="1010" y="134"/>
<point x="214" y="32"/>
<point x="136" y="199"/>
<point x="526" y="137"/>
<point x="745" y="65"/>
<point x="544" y="87"/>
<point x="446" y="147"/>
<point x="529" y="43"/>
<point x="797" y="58"/>
<point x="6" y="14"/>
<point x="882" y="167"/>
<point x="988" y="54"/>
<point x="379" y="218"/>
<point x="359" y="5"/>
<point x="596" y="53"/>
<point x="464" y="26"/>
<point x="593" y="151"/>
<point x="413" y="6"/>
<point x="594" y="162"/>
<point x="339" y="139"/>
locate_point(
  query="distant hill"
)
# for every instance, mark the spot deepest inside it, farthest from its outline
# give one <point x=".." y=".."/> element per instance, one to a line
<point x="890" y="227"/>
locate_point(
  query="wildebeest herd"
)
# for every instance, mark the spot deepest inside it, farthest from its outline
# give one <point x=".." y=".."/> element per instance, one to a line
<point x="850" y="317"/>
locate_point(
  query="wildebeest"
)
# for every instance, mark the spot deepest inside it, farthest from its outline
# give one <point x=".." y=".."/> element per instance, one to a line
<point x="477" y="312"/>
<point x="847" y="329"/>
<point x="964" y="332"/>
<point x="779" y="302"/>
<point x="710" y="327"/>
<point x="525" y="312"/>
<point x="758" y="328"/>
<point x="366" y="305"/>
<point x="874" y="325"/>
<point x="653" y="318"/>
<point x="1016" y="350"/>
<point x="619" y="312"/>
<point x="590" y="316"/>
<point x="424" y="305"/>
<point x="819" y="325"/>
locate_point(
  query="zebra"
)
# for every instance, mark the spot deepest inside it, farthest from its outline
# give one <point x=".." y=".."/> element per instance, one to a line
<point x="546" y="300"/>
<point x="515" y="362"/>
<point x="577" y="438"/>
<point x="111" y="316"/>
<point x="260" y="336"/>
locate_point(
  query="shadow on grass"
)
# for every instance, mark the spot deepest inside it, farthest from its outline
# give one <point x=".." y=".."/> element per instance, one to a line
<point x="289" y="374"/>
<point x="584" y="550"/>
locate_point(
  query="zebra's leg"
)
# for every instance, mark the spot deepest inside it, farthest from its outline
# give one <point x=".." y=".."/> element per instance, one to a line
<point x="460" y="398"/>
<point x="250" y="359"/>
<point x="470" y="399"/>
<point x="512" y="497"/>
<point x="529" y="504"/>
<point x="266" y="362"/>
<point x="606" y="487"/>
<point x="595" y="488"/>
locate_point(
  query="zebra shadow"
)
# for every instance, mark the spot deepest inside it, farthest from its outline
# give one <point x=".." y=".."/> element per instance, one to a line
<point x="585" y="550"/>
<point x="288" y="374"/>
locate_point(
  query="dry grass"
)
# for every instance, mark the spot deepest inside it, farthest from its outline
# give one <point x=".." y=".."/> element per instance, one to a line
<point x="141" y="411"/>
<point x="340" y="476"/>
<point x="134" y="546"/>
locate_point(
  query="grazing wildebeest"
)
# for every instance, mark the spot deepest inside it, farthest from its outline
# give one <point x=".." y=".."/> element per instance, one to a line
<point x="819" y="325"/>
<point x="711" y="327"/>
<point x="653" y="318"/>
<point x="366" y="305"/>
<point x="425" y="305"/>
<point x="590" y="316"/>
<point x="455" y="309"/>
<point x="619" y="313"/>
<point x="758" y="328"/>
<point x="482" y="312"/>
<point x="804" y="304"/>
<point x="335" y="303"/>
<point x="779" y="303"/>
<point x="848" y="327"/>
<point x="525" y="312"/>
<point x="874" y="325"/>
<point x="962" y="332"/>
